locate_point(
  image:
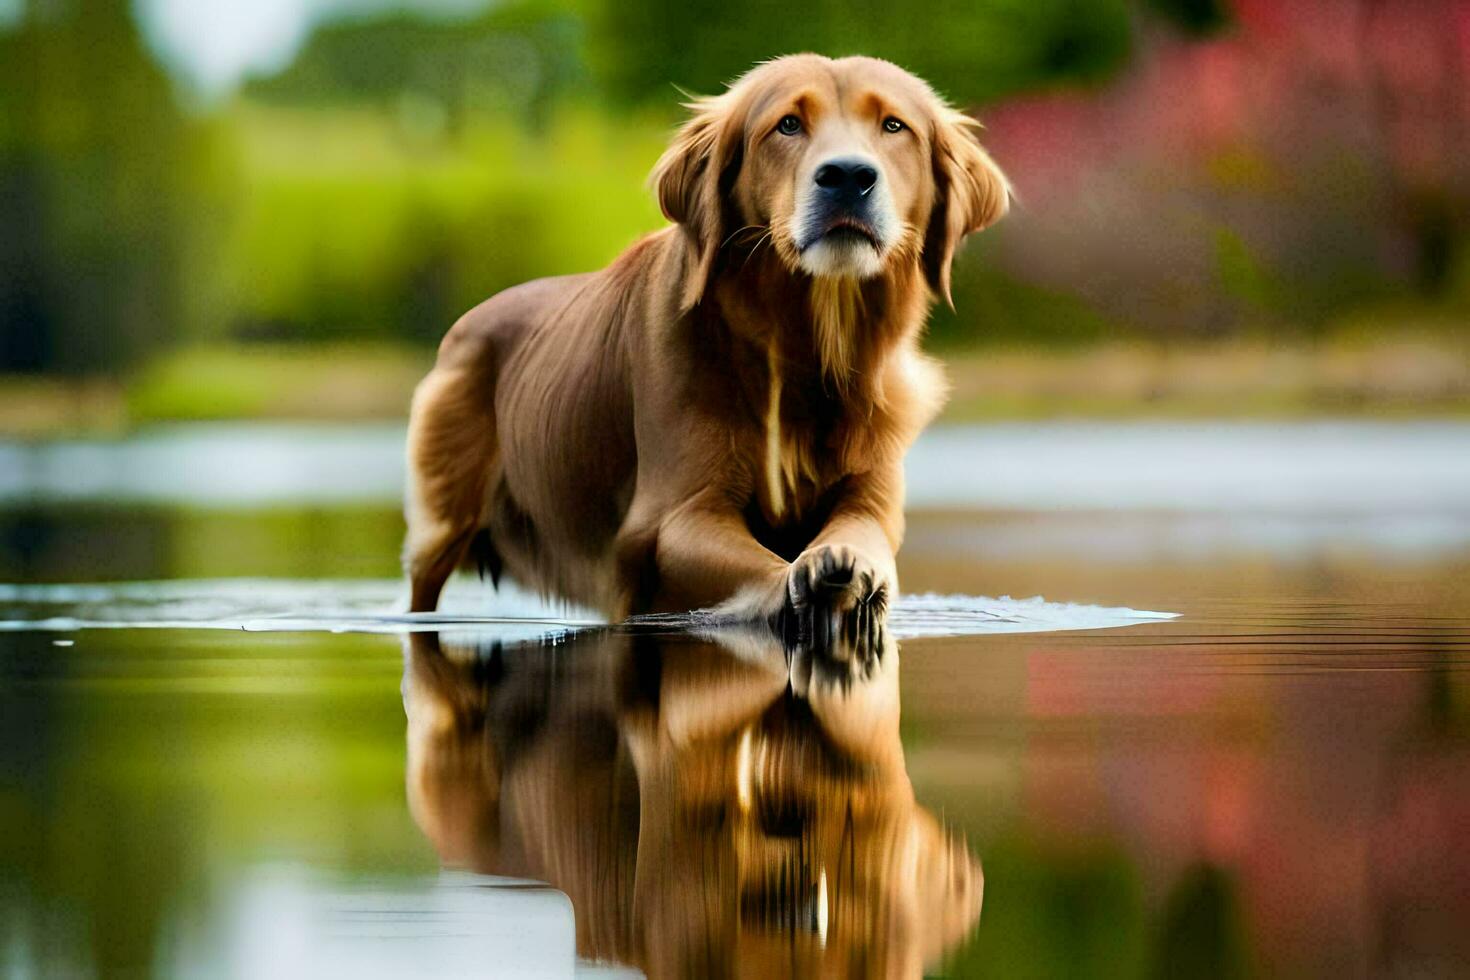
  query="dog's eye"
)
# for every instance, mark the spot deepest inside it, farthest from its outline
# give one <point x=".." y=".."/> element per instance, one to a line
<point x="788" y="126"/>
<point x="892" y="125"/>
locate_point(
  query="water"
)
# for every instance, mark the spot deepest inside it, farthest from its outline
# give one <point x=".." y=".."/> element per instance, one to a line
<point x="260" y="768"/>
<point x="504" y="615"/>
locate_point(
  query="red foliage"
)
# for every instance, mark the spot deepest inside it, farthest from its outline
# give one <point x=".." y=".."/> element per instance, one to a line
<point x="1329" y="137"/>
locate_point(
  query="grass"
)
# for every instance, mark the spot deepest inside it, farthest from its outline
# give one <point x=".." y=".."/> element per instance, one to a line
<point x="338" y="223"/>
<point x="1407" y="376"/>
<point x="1400" y="377"/>
<point x="332" y="383"/>
<point x="35" y="407"/>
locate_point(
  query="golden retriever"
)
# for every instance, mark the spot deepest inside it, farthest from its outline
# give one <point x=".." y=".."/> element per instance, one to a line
<point x="718" y="418"/>
<point x="709" y="811"/>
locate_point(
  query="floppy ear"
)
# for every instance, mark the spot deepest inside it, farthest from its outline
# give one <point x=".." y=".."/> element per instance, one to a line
<point x="691" y="181"/>
<point x="971" y="193"/>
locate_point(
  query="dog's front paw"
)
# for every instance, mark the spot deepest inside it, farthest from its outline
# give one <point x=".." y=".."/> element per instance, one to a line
<point x="837" y="598"/>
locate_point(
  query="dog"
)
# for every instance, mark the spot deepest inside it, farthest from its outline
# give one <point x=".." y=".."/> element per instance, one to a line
<point x="718" y="419"/>
<point x="711" y="807"/>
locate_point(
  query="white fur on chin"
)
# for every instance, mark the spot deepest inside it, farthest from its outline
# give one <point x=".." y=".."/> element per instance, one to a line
<point x="841" y="259"/>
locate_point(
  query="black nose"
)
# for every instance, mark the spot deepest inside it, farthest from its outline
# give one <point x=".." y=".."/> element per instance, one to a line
<point x="847" y="180"/>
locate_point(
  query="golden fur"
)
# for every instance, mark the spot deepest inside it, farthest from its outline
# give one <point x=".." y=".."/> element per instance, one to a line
<point x="710" y="812"/>
<point x="708" y="421"/>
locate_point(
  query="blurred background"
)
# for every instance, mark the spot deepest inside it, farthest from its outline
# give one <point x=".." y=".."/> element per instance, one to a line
<point x="1217" y="359"/>
<point x="275" y="209"/>
<point x="1217" y="363"/>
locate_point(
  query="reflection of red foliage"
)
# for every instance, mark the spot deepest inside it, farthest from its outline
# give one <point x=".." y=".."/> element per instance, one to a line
<point x="1319" y="132"/>
<point x="1420" y="860"/>
<point x="1305" y="771"/>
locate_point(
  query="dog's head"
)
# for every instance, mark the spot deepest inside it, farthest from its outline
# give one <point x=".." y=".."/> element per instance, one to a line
<point x="852" y="167"/>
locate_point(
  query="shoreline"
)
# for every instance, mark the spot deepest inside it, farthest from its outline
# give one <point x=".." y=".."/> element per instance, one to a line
<point x="1410" y="377"/>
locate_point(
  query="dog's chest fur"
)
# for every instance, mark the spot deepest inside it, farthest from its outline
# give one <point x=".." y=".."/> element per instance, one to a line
<point x="830" y="381"/>
<point x="800" y="442"/>
<point x="787" y="461"/>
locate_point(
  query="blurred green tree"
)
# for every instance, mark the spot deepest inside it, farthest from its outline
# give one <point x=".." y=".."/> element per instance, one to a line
<point x="972" y="52"/>
<point x="515" y="60"/>
<point x="92" y="146"/>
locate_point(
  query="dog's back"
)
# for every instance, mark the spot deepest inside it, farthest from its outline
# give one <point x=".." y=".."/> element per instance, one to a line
<point x="524" y="430"/>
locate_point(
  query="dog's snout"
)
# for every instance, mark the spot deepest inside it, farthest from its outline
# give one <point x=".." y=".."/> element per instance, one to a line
<point x="846" y="177"/>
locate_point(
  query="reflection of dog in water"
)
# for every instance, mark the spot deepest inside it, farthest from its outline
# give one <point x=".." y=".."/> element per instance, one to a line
<point x="711" y="810"/>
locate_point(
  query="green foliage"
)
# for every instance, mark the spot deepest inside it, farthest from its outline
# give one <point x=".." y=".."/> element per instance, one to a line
<point x="92" y="200"/>
<point x="382" y="196"/>
<point x="324" y="381"/>
<point x="405" y="167"/>
<point x="1241" y="275"/>
<point x="1199" y="17"/>
<point x="351" y="227"/>
<point x="515" y="61"/>
<point x="524" y="57"/>
<point x="973" y="52"/>
<point x="991" y="308"/>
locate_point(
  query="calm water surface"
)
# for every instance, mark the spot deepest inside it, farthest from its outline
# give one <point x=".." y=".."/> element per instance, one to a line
<point x="1275" y="783"/>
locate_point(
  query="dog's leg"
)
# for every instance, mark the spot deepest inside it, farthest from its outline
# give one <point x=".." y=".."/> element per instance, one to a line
<point x="452" y="772"/>
<point x="451" y="450"/>
<point x="697" y="555"/>
<point x="844" y="581"/>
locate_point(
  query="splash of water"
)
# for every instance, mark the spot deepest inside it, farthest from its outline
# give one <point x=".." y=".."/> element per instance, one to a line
<point x="510" y="614"/>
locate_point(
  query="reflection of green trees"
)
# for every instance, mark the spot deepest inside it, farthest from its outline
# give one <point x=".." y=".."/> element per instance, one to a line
<point x="1085" y="915"/>
<point x="147" y="543"/>
<point x="1202" y="933"/>
<point x="1079" y="915"/>
<point x="145" y="774"/>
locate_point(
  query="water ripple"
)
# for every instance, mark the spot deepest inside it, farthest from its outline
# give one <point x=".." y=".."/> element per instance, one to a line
<point x="375" y="606"/>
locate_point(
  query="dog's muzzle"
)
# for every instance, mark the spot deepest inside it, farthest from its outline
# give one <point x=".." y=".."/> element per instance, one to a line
<point x="840" y="209"/>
